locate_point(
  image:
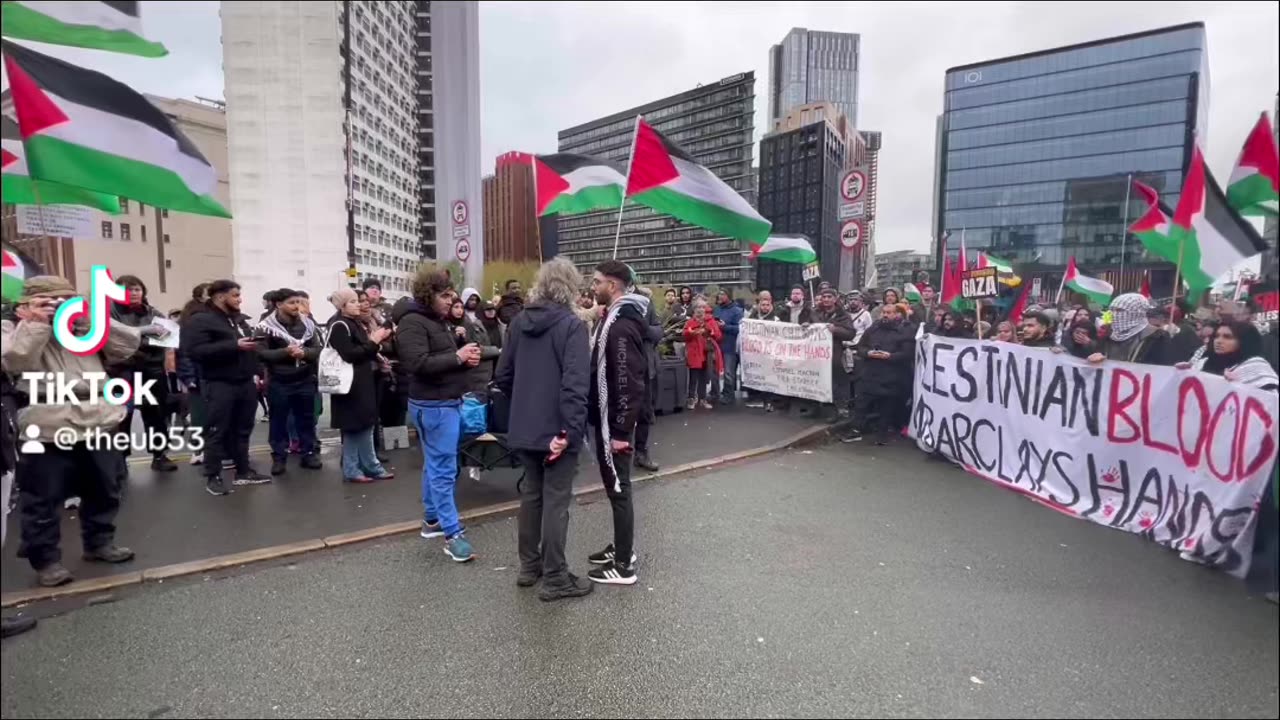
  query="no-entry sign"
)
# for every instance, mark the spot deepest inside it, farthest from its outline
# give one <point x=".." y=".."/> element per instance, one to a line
<point x="851" y="234"/>
<point x="463" y="250"/>
<point x="460" y="212"/>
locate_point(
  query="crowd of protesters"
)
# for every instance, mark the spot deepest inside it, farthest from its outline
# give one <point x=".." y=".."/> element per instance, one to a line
<point x="565" y="356"/>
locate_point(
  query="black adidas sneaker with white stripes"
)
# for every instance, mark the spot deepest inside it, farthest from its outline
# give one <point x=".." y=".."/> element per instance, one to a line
<point x="606" y="556"/>
<point x="612" y="573"/>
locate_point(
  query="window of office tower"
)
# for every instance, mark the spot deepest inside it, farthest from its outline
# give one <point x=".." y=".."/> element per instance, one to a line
<point x="1038" y="149"/>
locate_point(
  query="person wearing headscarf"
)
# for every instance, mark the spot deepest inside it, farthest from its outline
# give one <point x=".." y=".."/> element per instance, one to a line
<point x="1132" y="338"/>
<point x="471" y="302"/>
<point x="1236" y="354"/>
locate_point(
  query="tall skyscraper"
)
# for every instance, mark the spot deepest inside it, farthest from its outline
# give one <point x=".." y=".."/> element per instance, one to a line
<point x="510" y="221"/>
<point x="811" y="66"/>
<point x="1037" y="150"/>
<point x="329" y="109"/>
<point x="713" y="123"/>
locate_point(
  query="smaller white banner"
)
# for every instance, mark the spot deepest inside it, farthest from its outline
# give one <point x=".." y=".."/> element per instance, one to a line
<point x="787" y="359"/>
<point x="169" y="339"/>
<point x="58" y="221"/>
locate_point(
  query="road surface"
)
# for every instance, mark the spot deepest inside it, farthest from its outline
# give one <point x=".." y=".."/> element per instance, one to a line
<point x="839" y="581"/>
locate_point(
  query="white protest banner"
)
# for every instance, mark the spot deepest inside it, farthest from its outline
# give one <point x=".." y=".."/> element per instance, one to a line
<point x="786" y="359"/>
<point x="57" y="221"/>
<point x="172" y="333"/>
<point x="1177" y="456"/>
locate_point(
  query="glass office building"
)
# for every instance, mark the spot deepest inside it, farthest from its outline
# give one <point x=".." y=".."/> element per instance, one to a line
<point x="714" y="124"/>
<point x="1037" y="149"/>
<point x="811" y="66"/>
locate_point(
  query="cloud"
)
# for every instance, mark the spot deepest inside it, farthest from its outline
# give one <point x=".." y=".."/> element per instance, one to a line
<point x="547" y="66"/>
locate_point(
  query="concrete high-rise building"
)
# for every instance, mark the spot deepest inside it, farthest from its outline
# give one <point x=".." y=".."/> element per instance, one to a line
<point x="713" y="123"/>
<point x="331" y="109"/>
<point x="1037" y="151"/>
<point x="170" y="252"/>
<point x="811" y="66"/>
<point x="899" y="267"/>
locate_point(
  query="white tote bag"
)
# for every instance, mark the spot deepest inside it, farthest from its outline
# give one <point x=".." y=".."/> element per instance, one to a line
<point x="334" y="373"/>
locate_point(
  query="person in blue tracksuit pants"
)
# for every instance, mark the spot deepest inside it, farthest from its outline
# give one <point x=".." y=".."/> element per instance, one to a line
<point x="437" y="361"/>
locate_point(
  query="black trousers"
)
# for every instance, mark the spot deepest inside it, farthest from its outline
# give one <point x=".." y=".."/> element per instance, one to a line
<point x="619" y="492"/>
<point x="645" y="422"/>
<point x="885" y="414"/>
<point x="155" y="418"/>
<point x="46" y="479"/>
<point x="840" y="388"/>
<point x="230" y="408"/>
<point x="545" y="495"/>
<point x="698" y="383"/>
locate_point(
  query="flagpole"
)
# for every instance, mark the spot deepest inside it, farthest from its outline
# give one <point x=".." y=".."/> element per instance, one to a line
<point x="1124" y="221"/>
<point x="1177" y="271"/>
<point x="537" y="219"/>
<point x="1057" y="301"/>
<point x="631" y="156"/>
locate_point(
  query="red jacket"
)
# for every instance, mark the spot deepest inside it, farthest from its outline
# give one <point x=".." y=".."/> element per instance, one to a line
<point x="695" y="349"/>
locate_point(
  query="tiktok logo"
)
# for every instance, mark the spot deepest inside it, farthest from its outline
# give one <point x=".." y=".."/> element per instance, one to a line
<point x="102" y="288"/>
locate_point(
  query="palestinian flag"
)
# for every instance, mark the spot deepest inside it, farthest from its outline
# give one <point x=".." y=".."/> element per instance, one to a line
<point x="785" y="248"/>
<point x="82" y="128"/>
<point x="1254" y="188"/>
<point x="567" y="183"/>
<point x="20" y="189"/>
<point x="1002" y="266"/>
<point x="17" y="268"/>
<point x="1211" y="235"/>
<point x="1145" y="290"/>
<point x="669" y="180"/>
<point x="1096" y="289"/>
<point x="1020" y="304"/>
<point x="113" y="26"/>
<point x="912" y="293"/>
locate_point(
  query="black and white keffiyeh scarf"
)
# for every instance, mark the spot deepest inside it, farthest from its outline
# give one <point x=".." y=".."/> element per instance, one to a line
<point x="600" y="341"/>
<point x="271" y="324"/>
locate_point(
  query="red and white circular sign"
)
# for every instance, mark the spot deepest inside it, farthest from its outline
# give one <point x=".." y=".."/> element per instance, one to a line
<point x="851" y="234"/>
<point x="463" y="250"/>
<point x="460" y="212"/>
<point x="853" y="184"/>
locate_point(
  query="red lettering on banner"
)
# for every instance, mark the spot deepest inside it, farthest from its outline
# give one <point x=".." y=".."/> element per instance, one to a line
<point x="1191" y="385"/>
<point x="1148" y="438"/>
<point x="1253" y="408"/>
<point x="1119" y="405"/>
<point x="1212" y="432"/>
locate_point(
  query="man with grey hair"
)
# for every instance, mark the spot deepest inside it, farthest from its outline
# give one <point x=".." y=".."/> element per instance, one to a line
<point x="545" y="369"/>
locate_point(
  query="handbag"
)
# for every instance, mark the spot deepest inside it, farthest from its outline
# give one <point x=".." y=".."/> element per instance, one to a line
<point x="499" y="410"/>
<point x="333" y="373"/>
<point x="474" y="414"/>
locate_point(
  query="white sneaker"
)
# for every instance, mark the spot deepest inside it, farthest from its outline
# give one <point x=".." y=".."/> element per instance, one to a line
<point x="71" y="503"/>
<point x="473" y="473"/>
<point x="197" y="458"/>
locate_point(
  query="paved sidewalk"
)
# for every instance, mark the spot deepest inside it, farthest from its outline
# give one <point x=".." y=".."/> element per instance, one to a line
<point x="845" y="581"/>
<point x="169" y="518"/>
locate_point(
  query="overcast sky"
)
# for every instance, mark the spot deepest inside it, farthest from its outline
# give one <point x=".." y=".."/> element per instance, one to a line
<point x="546" y="66"/>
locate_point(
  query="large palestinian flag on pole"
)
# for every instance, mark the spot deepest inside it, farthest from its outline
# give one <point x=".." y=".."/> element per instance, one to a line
<point x="1096" y="289"/>
<point x="569" y="183"/>
<point x="1254" y="188"/>
<point x="1213" y="237"/>
<point x="20" y="189"/>
<point x="114" y="26"/>
<point x="82" y="128"/>
<point x="669" y="180"/>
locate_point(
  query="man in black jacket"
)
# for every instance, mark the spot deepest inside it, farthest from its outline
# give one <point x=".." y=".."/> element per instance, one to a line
<point x="887" y="355"/>
<point x="289" y="346"/>
<point x="653" y="336"/>
<point x="764" y="310"/>
<point x="796" y="310"/>
<point x="221" y="344"/>
<point x="544" y="370"/>
<point x="438" y="376"/>
<point x="147" y="363"/>
<point x="511" y="304"/>
<point x="1037" y="330"/>
<point x="619" y="379"/>
<point x="830" y="312"/>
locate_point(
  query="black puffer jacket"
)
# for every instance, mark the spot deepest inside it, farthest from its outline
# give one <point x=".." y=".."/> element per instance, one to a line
<point x="545" y="371"/>
<point x="209" y="338"/>
<point x="149" y="360"/>
<point x="892" y="376"/>
<point x="273" y="350"/>
<point x="429" y="354"/>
